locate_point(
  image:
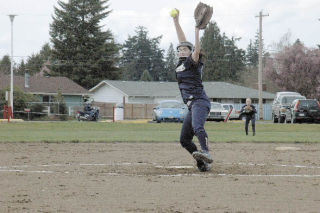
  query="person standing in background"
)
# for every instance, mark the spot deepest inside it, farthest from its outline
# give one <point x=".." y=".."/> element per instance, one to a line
<point x="249" y="112"/>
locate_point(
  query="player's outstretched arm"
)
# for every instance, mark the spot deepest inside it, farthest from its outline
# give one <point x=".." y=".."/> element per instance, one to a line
<point x="196" y="51"/>
<point x="180" y="33"/>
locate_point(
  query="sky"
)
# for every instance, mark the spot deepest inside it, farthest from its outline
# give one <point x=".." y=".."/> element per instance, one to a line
<point x="236" y="18"/>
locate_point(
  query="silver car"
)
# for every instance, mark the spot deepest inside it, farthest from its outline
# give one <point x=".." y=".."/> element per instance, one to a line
<point x="281" y="107"/>
<point x="217" y="112"/>
<point x="278" y="94"/>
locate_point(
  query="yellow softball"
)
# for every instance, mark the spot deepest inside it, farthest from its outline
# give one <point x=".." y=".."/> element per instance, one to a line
<point x="173" y="13"/>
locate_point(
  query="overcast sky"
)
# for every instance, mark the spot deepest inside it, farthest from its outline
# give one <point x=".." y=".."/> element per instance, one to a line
<point x="234" y="17"/>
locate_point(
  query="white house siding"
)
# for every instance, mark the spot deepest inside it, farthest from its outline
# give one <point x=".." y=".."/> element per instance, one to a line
<point x="108" y="94"/>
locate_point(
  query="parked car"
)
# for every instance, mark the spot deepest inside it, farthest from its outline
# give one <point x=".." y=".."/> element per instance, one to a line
<point x="217" y="112"/>
<point x="307" y="110"/>
<point x="170" y="110"/>
<point x="281" y="107"/>
<point x="235" y="114"/>
<point x="276" y="102"/>
<point x="278" y="94"/>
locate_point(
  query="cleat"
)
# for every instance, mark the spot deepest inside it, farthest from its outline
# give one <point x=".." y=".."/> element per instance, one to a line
<point x="203" y="166"/>
<point x="201" y="155"/>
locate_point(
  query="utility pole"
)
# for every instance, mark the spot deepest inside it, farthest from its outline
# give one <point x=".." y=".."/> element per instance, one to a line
<point x="260" y="65"/>
<point x="11" y="68"/>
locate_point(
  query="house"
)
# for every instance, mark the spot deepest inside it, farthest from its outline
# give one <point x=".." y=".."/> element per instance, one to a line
<point x="47" y="87"/>
<point x="109" y="91"/>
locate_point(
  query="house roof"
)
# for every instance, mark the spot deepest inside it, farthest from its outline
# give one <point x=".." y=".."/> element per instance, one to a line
<point x="44" y="85"/>
<point x="170" y="89"/>
<point x="228" y="90"/>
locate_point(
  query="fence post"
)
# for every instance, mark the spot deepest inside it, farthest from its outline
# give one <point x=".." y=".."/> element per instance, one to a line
<point x="124" y="107"/>
<point x="145" y="111"/>
<point x="4" y="111"/>
<point x="131" y="111"/>
<point x="113" y="113"/>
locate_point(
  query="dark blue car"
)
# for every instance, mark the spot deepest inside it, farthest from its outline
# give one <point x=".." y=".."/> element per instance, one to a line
<point x="170" y="111"/>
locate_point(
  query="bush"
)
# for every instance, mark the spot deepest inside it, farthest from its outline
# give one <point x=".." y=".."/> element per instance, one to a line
<point x="20" y="100"/>
<point x="36" y="111"/>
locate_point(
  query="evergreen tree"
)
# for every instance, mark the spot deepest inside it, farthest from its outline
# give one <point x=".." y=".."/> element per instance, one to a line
<point x="35" y="62"/>
<point x="252" y="54"/>
<point x="170" y="64"/>
<point x="82" y="51"/>
<point x="5" y="65"/>
<point x="140" y="53"/>
<point x="146" y="76"/>
<point x="22" y="68"/>
<point x="45" y="52"/>
<point x="224" y="60"/>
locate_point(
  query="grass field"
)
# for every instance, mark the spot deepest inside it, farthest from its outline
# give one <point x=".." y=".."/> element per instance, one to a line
<point x="151" y="132"/>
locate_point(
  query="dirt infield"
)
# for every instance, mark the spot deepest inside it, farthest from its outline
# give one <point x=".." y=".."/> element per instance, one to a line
<point x="158" y="177"/>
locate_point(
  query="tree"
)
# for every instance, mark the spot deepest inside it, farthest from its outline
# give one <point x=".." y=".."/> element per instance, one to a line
<point x="35" y="62"/>
<point x="21" y="101"/>
<point x="249" y="77"/>
<point x="140" y="53"/>
<point x="224" y="60"/>
<point x="296" y="68"/>
<point x="284" y="42"/>
<point x="21" y="68"/>
<point x="170" y="64"/>
<point x="81" y="50"/>
<point x="252" y="54"/>
<point x="59" y="106"/>
<point x="5" y="64"/>
<point x="146" y="76"/>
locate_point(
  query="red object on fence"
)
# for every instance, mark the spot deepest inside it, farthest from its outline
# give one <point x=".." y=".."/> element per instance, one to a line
<point x="5" y="112"/>
<point x="225" y="120"/>
<point x="113" y="113"/>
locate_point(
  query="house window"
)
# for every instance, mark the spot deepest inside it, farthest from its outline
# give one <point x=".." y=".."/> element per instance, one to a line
<point x="216" y="100"/>
<point x="237" y="101"/>
<point x="255" y="101"/>
<point x="46" y="98"/>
